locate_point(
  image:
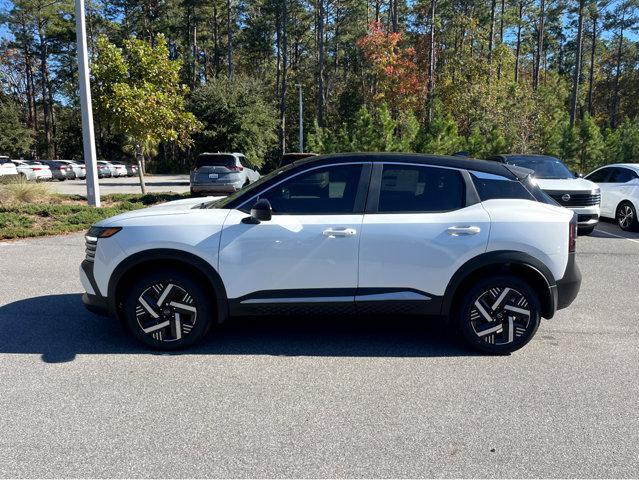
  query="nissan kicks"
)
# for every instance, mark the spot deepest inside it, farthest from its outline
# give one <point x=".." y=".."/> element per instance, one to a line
<point x="472" y="241"/>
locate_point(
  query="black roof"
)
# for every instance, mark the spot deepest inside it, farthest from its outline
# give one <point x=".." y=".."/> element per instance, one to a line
<point x="463" y="163"/>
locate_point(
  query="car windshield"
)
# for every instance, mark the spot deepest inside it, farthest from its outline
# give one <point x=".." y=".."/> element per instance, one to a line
<point x="205" y="160"/>
<point x="544" y="167"/>
<point x="222" y="202"/>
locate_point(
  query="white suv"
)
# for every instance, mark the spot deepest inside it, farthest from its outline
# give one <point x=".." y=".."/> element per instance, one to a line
<point x="385" y="234"/>
<point x="555" y="178"/>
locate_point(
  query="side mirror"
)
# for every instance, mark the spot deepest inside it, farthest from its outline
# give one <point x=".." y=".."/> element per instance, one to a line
<point x="578" y="174"/>
<point x="260" y="212"/>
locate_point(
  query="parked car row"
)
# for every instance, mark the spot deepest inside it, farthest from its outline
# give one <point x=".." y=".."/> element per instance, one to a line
<point x="62" y="169"/>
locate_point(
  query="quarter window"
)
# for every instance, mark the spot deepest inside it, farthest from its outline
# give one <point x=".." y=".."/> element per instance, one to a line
<point x="323" y="190"/>
<point x="408" y="188"/>
<point x="491" y="187"/>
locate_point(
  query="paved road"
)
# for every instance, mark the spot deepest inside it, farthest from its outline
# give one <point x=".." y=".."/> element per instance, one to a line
<point x="275" y="398"/>
<point x="154" y="183"/>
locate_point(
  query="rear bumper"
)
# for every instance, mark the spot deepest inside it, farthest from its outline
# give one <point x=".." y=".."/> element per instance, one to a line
<point x="213" y="188"/>
<point x="568" y="287"/>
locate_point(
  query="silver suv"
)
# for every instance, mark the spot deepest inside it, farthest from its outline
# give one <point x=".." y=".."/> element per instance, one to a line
<point x="220" y="173"/>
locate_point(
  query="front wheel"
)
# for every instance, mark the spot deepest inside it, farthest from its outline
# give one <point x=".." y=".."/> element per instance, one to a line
<point x="627" y="217"/>
<point x="499" y="314"/>
<point x="167" y="309"/>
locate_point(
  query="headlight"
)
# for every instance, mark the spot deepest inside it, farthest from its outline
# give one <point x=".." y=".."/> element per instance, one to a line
<point x="101" y="232"/>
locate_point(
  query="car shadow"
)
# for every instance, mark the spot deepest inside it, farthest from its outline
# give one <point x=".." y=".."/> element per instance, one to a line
<point x="58" y="328"/>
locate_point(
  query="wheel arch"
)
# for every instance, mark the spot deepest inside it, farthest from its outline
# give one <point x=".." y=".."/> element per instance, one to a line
<point x="163" y="258"/>
<point x="521" y="264"/>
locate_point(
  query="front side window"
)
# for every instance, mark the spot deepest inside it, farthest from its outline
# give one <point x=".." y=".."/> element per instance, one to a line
<point x="408" y="188"/>
<point x="599" y="176"/>
<point x="327" y="190"/>
<point x="491" y="187"/>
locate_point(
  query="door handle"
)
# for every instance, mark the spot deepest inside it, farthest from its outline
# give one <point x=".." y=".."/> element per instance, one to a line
<point x="458" y="231"/>
<point x="339" y="232"/>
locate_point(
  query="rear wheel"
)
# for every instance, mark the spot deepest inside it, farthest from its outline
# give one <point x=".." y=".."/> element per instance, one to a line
<point x="167" y="310"/>
<point x="499" y="314"/>
<point x="627" y="217"/>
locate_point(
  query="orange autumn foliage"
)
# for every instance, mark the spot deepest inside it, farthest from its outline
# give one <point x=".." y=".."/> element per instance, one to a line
<point x="396" y="78"/>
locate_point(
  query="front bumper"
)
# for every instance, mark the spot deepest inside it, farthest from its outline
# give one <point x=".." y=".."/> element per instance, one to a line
<point x="586" y="216"/>
<point x="92" y="299"/>
<point x="568" y="287"/>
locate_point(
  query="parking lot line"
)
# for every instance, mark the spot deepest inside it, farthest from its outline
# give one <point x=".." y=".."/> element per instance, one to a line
<point x="634" y="240"/>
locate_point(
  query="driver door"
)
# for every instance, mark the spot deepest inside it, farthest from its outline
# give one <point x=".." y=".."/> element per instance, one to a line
<point x="308" y="252"/>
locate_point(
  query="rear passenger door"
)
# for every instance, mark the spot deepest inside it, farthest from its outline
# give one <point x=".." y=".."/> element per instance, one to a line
<point x="417" y="231"/>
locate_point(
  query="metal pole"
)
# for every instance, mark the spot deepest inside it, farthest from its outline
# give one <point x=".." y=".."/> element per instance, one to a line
<point x="88" y="138"/>
<point x="301" y="119"/>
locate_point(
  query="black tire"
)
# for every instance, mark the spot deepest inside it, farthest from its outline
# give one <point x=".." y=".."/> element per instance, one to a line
<point x="583" y="231"/>
<point x="185" y="311"/>
<point x="511" y="328"/>
<point x="626" y="217"/>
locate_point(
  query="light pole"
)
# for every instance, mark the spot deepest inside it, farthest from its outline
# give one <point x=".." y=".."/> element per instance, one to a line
<point x="88" y="138"/>
<point x="299" y="85"/>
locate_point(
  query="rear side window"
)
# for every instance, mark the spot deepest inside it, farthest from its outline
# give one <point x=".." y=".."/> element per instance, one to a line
<point x="215" y="161"/>
<point x="408" y="188"/>
<point x="491" y="187"/>
<point x="622" y="175"/>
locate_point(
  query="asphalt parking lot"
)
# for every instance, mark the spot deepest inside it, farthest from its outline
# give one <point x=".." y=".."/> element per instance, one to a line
<point x="303" y="398"/>
<point x="154" y="183"/>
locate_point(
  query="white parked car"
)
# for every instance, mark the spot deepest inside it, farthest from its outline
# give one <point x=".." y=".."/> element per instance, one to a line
<point x="386" y="234"/>
<point x="117" y="170"/>
<point x="619" y="184"/>
<point x="78" y="169"/>
<point x="556" y="179"/>
<point x="221" y="173"/>
<point x="31" y="170"/>
<point x="7" y="168"/>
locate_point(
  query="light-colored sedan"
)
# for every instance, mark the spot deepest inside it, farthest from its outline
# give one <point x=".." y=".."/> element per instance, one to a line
<point x="619" y="184"/>
<point x="31" y="170"/>
<point x="7" y="168"/>
<point x="115" y="169"/>
<point x="221" y="173"/>
<point x="78" y="169"/>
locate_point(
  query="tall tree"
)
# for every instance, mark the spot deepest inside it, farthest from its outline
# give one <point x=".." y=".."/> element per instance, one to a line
<point x="540" y="43"/>
<point x="577" y="73"/>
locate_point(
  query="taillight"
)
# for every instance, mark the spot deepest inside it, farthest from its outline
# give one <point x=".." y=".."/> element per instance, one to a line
<point x="572" y="235"/>
<point x="236" y="168"/>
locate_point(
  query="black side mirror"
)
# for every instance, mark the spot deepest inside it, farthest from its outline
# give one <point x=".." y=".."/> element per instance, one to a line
<point x="260" y="212"/>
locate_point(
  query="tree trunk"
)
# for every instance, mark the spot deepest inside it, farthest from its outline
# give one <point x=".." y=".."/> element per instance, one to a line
<point x="431" y="60"/>
<point x="44" y="72"/>
<point x="320" y="62"/>
<point x="577" y="73"/>
<point x="540" y="44"/>
<point x="591" y="75"/>
<point x="491" y="38"/>
<point x="518" y="48"/>
<point x="139" y="156"/>
<point x="501" y="33"/>
<point x="394" y="16"/>
<point x="216" y="42"/>
<point x="282" y="113"/>
<point x="615" y="98"/>
<point x="229" y="44"/>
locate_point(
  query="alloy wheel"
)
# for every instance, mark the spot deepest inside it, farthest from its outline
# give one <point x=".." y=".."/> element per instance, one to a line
<point x="500" y="315"/>
<point x="625" y="217"/>
<point x="166" y="312"/>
